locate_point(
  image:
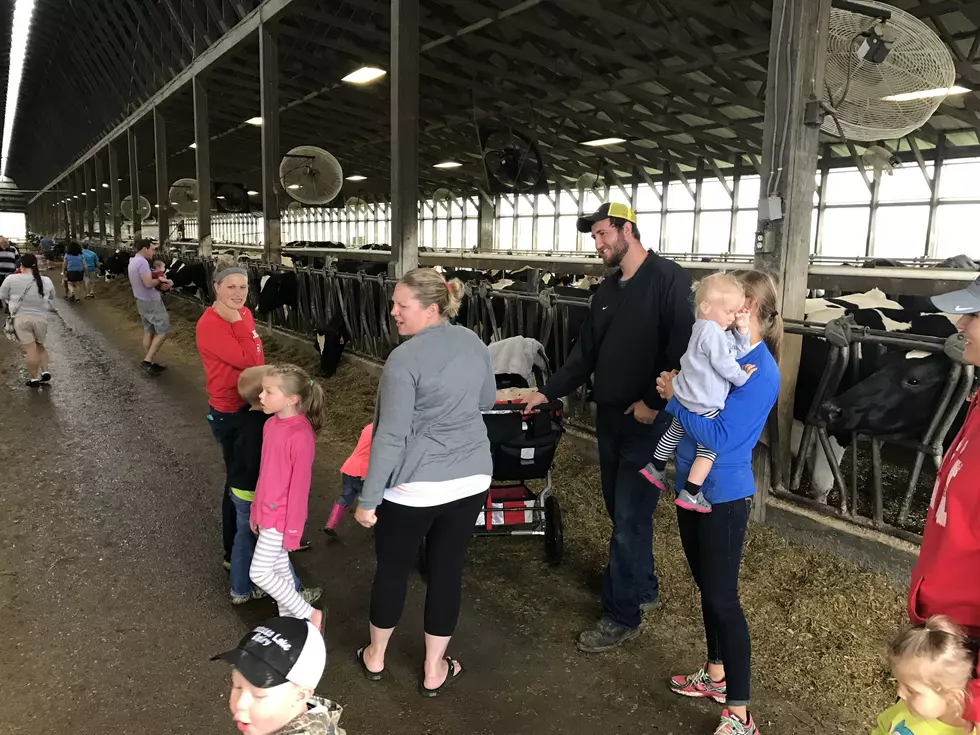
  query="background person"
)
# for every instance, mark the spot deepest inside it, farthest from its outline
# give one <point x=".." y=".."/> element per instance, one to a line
<point x="638" y="324"/>
<point x="950" y="550"/>
<point x="228" y="344"/>
<point x="429" y="469"/>
<point x="29" y="296"/>
<point x="74" y="270"/>
<point x="9" y="258"/>
<point x="153" y="313"/>
<point x="713" y="541"/>
<point x="91" y="259"/>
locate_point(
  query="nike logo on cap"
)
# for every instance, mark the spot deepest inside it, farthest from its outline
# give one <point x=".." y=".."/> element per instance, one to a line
<point x="963" y="308"/>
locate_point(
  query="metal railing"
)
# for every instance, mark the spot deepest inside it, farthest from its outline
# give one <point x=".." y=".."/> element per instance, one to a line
<point x="362" y="302"/>
<point x="848" y="344"/>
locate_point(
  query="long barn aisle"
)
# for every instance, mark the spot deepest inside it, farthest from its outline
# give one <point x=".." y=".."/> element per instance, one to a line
<point x="112" y="595"/>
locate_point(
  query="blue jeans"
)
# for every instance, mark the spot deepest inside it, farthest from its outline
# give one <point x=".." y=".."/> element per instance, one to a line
<point x="224" y="428"/>
<point x="243" y="548"/>
<point x="350" y="488"/>
<point x="625" y="446"/>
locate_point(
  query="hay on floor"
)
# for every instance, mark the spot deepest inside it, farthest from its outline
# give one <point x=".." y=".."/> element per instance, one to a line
<point x="819" y="623"/>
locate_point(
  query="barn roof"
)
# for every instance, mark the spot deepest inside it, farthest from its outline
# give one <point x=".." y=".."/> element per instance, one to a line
<point x="681" y="80"/>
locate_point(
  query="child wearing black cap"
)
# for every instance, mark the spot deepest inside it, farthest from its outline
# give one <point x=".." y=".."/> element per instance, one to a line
<point x="276" y="668"/>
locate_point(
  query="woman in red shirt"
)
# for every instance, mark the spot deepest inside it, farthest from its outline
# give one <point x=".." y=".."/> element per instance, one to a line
<point x="228" y="343"/>
<point x="944" y="578"/>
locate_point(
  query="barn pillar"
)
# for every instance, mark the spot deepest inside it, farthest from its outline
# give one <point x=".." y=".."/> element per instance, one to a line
<point x="404" y="136"/>
<point x="114" y="194"/>
<point x="797" y="53"/>
<point x="134" y="184"/>
<point x="87" y="214"/>
<point x="488" y="213"/>
<point x="202" y="162"/>
<point x="100" y="196"/>
<point x="163" y="188"/>
<point x="269" y="83"/>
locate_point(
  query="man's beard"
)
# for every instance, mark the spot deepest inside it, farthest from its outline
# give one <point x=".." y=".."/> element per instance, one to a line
<point x="617" y="251"/>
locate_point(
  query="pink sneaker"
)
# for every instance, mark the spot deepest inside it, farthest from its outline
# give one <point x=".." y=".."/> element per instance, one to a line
<point x="731" y="725"/>
<point x="656" y="477"/>
<point x="699" y="684"/>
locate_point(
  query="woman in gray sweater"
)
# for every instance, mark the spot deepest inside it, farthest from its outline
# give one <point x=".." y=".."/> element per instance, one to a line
<point x="430" y="468"/>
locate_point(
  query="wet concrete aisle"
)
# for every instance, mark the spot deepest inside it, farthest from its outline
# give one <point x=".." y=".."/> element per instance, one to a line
<point x="112" y="596"/>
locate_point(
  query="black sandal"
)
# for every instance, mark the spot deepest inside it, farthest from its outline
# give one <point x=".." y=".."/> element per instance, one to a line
<point x="368" y="674"/>
<point x="451" y="677"/>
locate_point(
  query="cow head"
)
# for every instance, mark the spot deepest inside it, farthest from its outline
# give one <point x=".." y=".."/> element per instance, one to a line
<point x="898" y="400"/>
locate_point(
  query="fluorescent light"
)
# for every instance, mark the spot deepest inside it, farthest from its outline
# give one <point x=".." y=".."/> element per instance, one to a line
<point x="604" y="141"/>
<point x="293" y="186"/>
<point x="924" y="94"/>
<point x="105" y="186"/>
<point x="252" y="193"/>
<point x="19" y="33"/>
<point x="356" y="178"/>
<point x="91" y="189"/>
<point x="193" y="145"/>
<point x="448" y="164"/>
<point x="364" y="75"/>
<point x="254" y="121"/>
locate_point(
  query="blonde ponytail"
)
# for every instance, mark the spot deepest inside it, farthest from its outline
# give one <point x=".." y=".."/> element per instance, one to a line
<point x="429" y="287"/>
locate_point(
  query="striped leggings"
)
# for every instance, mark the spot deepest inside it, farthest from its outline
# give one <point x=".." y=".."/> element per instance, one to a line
<point x="672" y="437"/>
<point x="270" y="572"/>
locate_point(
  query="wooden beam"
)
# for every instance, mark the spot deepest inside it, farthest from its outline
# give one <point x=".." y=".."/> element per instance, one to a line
<point x="404" y="135"/>
<point x="88" y="215"/>
<point x="100" y="197"/>
<point x="799" y="31"/>
<point x="162" y="185"/>
<point x="202" y="166"/>
<point x="269" y="85"/>
<point x="134" y="183"/>
<point x="114" y="194"/>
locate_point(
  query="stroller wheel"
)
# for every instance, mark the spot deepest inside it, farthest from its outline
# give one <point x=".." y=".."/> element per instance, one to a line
<point x="554" y="532"/>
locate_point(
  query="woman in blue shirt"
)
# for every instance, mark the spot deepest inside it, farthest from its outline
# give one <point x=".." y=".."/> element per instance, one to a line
<point x="74" y="270"/>
<point x="713" y="541"/>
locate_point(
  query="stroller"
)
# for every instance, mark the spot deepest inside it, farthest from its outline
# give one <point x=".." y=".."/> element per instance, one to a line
<point x="523" y="449"/>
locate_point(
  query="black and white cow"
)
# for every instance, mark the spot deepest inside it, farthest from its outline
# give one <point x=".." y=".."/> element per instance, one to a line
<point x="894" y="396"/>
<point x="331" y="343"/>
<point x="189" y="278"/>
<point x="277" y="291"/>
<point x="117" y="264"/>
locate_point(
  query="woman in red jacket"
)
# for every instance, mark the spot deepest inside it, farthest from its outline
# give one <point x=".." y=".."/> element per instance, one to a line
<point x="943" y="581"/>
<point x="228" y="343"/>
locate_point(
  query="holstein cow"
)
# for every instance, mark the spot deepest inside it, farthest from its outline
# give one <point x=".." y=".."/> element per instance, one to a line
<point x="191" y="278"/>
<point x="894" y="396"/>
<point x="117" y="264"/>
<point x="331" y="343"/>
<point x="277" y="290"/>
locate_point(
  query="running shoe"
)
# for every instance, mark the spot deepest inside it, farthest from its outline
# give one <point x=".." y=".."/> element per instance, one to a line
<point x="731" y="725"/>
<point x="699" y="684"/>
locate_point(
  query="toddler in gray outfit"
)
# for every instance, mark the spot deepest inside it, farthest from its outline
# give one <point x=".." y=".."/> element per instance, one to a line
<point x="708" y="370"/>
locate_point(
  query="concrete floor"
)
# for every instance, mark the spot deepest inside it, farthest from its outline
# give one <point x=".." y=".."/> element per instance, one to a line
<point x="112" y="595"/>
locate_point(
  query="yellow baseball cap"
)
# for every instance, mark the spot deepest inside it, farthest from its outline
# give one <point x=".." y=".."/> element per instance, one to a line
<point x="605" y="211"/>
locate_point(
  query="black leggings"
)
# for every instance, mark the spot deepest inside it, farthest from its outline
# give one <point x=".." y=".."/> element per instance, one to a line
<point x="399" y="531"/>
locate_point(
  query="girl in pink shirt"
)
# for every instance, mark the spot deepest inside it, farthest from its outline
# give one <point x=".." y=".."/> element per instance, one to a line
<point x="352" y="474"/>
<point x="283" y="488"/>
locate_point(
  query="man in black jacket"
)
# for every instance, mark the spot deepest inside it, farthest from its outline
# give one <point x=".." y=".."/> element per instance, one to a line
<point x="639" y="323"/>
